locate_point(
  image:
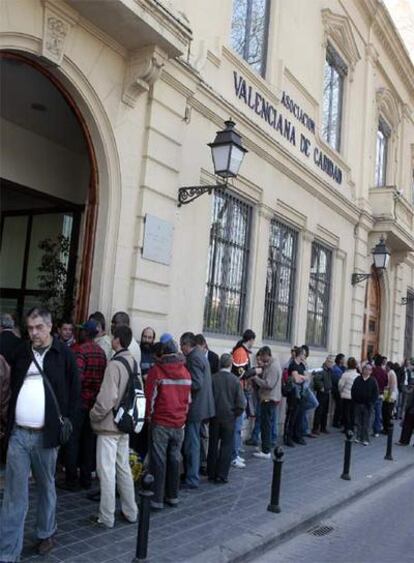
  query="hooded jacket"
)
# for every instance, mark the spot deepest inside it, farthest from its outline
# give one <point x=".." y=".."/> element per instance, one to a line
<point x="168" y="391"/>
<point x="202" y="401"/>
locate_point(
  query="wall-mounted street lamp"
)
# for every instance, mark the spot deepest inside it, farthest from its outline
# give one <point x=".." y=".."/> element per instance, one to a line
<point x="381" y="256"/>
<point x="408" y="299"/>
<point x="227" y="153"/>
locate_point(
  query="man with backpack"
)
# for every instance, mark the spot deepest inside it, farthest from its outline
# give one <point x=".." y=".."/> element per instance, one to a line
<point x="112" y="453"/>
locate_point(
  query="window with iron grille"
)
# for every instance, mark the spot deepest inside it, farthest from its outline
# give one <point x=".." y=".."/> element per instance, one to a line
<point x="249" y="31"/>
<point x="319" y="296"/>
<point x="383" y="135"/>
<point x="409" y="326"/>
<point x="280" y="282"/>
<point x="228" y="261"/>
<point x="335" y="71"/>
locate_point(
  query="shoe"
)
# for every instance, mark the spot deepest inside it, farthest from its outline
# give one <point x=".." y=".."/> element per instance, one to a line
<point x="125" y="519"/>
<point x="221" y="481"/>
<point x="169" y="502"/>
<point x="365" y="443"/>
<point x="289" y="443"/>
<point x="94" y="520"/>
<point x="312" y="435"/>
<point x="356" y="441"/>
<point x="401" y="444"/>
<point x="45" y="546"/>
<point x="251" y="442"/>
<point x="68" y="486"/>
<point x="188" y="486"/>
<point x="300" y="441"/>
<point x="376" y="435"/>
<point x="238" y="464"/>
<point x="262" y="455"/>
<point x="241" y="459"/>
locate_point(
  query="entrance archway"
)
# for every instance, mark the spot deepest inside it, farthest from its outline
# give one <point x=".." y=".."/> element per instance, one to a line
<point x="49" y="182"/>
<point x="372" y="316"/>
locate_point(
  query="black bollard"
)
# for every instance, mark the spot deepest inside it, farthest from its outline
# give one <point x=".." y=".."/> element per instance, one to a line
<point x="277" y="474"/>
<point x="347" y="457"/>
<point x="145" y="494"/>
<point x="390" y="433"/>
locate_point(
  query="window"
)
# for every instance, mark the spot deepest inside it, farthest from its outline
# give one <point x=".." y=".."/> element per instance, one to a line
<point x="319" y="296"/>
<point x="333" y="84"/>
<point x="249" y="29"/>
<point x="409" y="326"/>
<point x="280" y="282"/>
<point x="383" y="134"/>
<point x="225" y="298"/>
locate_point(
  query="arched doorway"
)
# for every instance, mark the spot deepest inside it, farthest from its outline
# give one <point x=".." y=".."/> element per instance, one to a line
<point x="372" y="316"/>
<point x="48" y="185"/>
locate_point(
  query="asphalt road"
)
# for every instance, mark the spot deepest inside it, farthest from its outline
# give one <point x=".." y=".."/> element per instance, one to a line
<point x="379" y="528"/>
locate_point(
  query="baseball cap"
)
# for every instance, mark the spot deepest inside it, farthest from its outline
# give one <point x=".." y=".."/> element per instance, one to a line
<point x="90" y="326"/>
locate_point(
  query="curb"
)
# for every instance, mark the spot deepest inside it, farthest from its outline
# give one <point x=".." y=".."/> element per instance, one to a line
<point x="256" y="542"/>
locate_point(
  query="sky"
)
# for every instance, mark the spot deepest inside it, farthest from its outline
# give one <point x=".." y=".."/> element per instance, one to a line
<point x="402" y="12"/>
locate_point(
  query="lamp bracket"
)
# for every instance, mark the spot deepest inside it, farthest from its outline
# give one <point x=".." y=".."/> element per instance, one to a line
<point x="406" y="300"/>
<point x="188" y="194"/>
<point x="358" y="278"/>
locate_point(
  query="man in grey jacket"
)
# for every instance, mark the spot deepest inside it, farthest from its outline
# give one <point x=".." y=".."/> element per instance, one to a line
<point x="201" y="408"/>
<point x="268" y="378"/>
<point x="230" y="403"/>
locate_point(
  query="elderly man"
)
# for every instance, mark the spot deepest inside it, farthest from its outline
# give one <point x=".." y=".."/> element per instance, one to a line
<point x="43" y="372"/>
<point x="8" y="339"/>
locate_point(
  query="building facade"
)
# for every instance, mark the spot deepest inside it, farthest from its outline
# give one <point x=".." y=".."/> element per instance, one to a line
<point x="107" y="109"/>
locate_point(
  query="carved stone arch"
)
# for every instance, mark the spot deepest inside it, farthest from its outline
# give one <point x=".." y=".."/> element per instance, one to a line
<point x="339" y="31"/>
<point x="388" y="107"/>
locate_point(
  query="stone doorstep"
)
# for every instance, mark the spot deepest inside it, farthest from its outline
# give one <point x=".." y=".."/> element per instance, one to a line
<point x="256" y="542"/>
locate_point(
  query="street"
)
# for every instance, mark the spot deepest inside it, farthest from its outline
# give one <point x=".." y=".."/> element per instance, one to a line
<point x="376" y="529"/>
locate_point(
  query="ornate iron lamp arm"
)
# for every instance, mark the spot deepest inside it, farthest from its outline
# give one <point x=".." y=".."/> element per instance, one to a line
<point x="358" y="278"/>
<point x="188" y="194"/>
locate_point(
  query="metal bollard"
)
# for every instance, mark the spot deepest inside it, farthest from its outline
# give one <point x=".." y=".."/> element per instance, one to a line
<point x="347" y="457"/>
<point x="145" y="495"/>
<point x="390" y="433"/>
<point x="277" y="474"/>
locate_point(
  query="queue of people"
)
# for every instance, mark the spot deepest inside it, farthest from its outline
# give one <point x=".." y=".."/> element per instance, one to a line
<point x="197" y="408"/>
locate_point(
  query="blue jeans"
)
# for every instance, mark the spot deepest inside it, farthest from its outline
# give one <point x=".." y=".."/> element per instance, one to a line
<point x="311" y="403"/>
<point x="26" y="452"/>
<point x="192" y="453"/>
<point x="377" y="426"/>
<point x="256" y="429"/>
<point x="237" y="436"/>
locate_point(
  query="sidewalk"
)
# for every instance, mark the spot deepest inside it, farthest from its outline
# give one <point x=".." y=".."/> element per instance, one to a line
<point x="219" y="523"/>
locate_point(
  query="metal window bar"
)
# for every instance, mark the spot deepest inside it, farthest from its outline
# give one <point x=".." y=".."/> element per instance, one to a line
<point x="225" y="297"/>
<point x="280" y="282"/>
<point x="409" y="326"/>
<point x="319" y="296"/>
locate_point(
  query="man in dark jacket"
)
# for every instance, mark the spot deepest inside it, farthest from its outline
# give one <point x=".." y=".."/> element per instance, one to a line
<point x="35" y="428"/>
<point x="202" y="406"/>
<point x="322" y="384"/>
<point x="364" y="393"/>
<point x="380" y="375"/>
<point x="230" y="403"/>
<point x="9" y="342"/>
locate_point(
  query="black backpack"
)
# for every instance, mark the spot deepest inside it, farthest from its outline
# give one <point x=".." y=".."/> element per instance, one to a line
<point x="130" y="414"/>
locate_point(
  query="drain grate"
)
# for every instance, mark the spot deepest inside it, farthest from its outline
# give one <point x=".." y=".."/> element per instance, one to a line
<point x="321" y="530"/>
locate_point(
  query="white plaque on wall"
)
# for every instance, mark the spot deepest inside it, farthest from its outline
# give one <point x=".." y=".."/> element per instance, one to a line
<point x="157" y="240"/>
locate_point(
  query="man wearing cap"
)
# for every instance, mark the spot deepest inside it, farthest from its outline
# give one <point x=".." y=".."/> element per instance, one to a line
<point x="168" y="392"/>
<point x="81" y="448"/>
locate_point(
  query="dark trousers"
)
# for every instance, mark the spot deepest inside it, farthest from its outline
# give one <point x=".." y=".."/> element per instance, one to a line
<point x="363" y="415"/>
<point x="293" y="422"/>
<point x="80" y="451"/>
<point x="348" y="414"/>
<point x="320" y="419"/>
<point x="387" y="408"/>
<point x="407" y="428"/>
<point x="165" y="455"/>
<point x="337" y="417"/>
<point x="204" y="434"/>
<point x="267" y="414"/>
<point x="220" y="447"/>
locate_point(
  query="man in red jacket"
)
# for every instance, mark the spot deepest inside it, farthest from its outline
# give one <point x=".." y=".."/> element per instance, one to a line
<point x="168" y="394"/>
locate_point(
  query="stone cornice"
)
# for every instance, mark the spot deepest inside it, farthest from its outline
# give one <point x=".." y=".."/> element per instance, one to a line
<point x="338" y="29"/>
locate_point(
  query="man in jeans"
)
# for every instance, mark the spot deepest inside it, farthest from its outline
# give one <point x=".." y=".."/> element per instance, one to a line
<point x="35" y="428"/>
<point x="201" y="408"/>
<point x="168" y="392"/>
<point x="112" y="449"/>
<point x="268" y="377"/>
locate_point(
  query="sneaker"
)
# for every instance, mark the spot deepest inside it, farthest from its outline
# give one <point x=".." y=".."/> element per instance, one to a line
<point x="94" y="520"/>
<point x="365" y="443"/>
<point x="357" y="441"/>
<point x="241" y="459"/>
<point x="238" y="464"/>
<point x="45" y="546"/>
<point x="376" y="435"/>
<point x="262" y="455"/>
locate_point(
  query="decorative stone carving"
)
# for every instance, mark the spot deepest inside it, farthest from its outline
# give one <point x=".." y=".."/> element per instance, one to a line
<point x="339" y="30"/>
<point x="388" y="106"/>
<point x="143" y="69"/>
<point x="57" y="25"/>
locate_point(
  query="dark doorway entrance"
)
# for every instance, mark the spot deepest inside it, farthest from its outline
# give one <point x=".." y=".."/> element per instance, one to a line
<point x="372" y="316"/>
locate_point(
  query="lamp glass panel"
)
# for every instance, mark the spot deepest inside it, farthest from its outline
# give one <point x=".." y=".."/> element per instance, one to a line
<point x="236" y="158"/>
<point x="220" y="156"/>
<point x="381" y="260"/>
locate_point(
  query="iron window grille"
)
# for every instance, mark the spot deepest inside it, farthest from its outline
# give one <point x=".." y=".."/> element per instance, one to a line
<point x="280" y="282"/>
<point x="228" y="262"/>
<point x="249" y="31"/>
<point x="383" y="135"/>
<point x="409" y="326"/>
<point x="335" y="71"/>
<point x="319" y="296"/>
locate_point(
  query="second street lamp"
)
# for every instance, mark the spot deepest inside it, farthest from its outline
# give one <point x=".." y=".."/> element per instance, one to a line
<point x="381" y="256"/>
<point x="227" y="153"/>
